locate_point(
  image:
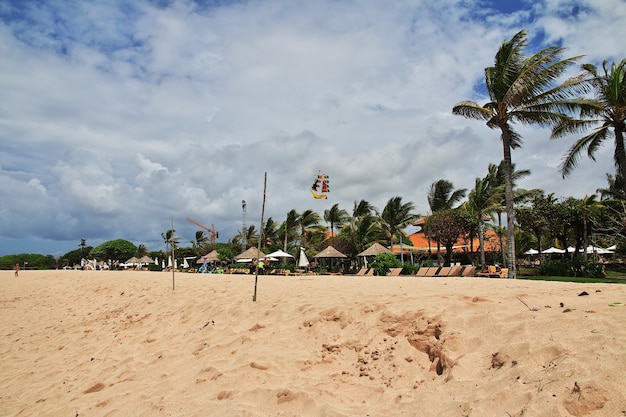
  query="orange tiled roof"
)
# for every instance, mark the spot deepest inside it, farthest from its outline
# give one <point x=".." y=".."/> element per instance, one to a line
<point x="420" y="241"/>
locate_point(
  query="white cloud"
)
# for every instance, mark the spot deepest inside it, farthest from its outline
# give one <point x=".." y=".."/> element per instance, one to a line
<point x="115" y="118"/>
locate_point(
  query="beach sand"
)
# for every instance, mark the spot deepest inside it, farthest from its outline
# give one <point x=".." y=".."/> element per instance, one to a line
<point x="124" y="344"/>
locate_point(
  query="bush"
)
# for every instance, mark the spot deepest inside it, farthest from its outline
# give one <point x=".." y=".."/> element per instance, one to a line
<point x="576" y="268"/>
<point x="383" y="262"/>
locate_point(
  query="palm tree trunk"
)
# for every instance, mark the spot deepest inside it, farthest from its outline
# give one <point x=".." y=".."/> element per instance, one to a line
<point x="481" y="240"/>
<point x="620" y="154"/>
<point x="510" y="210"/>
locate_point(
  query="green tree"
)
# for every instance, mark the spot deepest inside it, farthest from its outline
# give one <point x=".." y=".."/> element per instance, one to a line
<point x="395" y="217"/>
<point x="288" y="226"/>
<point x="200" y="240"/>
<point x="447" y="226"/>
<point x="589" y="208"/>
<point x="114" y="250"/>
<point x="335" y="217"/>
<point x="170" y="239"/>
<point x="523" y="89"/>
<point x="607" y="108"/>
<point x="443" y="196"/>
<point x="482" y="201"/>
<point x="537" y="217"/>
<point x="309" y="225"/>
<point x="615" y="189"/>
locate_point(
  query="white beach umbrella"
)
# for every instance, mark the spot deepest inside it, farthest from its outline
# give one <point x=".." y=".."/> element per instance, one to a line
<point x="169" y="262"/>
<point x="303" y="261"/>
<point x="185" y="264"/>
<point x="554" y="250"/>
<point x="531" y="252"/>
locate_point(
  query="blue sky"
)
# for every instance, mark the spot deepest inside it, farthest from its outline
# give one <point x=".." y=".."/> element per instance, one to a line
<point x="116" y="116"/>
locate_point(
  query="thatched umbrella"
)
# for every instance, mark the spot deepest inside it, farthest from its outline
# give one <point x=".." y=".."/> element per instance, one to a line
<point x="374" y="250"/>
<point x="145" y="260"/>
<point x="252" y="253"/>
<point x="330" y="253"/>
<point x="209" y="257"/>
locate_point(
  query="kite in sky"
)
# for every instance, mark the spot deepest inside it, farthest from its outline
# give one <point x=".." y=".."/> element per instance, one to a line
<point x="320" y="186"/>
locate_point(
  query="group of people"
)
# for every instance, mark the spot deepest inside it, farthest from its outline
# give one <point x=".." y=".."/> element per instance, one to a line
<point x="257" y="266"/>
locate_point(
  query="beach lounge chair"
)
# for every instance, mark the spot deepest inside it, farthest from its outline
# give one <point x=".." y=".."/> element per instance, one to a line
<point x="362" y="271"/>
<point x="422" y="271"/>
<point x="432" y="271"/>
<point x="370" y="272"/>
<point x="444" y="271"/>
<point x="394" y="272"/>
<point x="504" y="273"/>
<point x="455" y="271"/>
<point x="468" y="271"/>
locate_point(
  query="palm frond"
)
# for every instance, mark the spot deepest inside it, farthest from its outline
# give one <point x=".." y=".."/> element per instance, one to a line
<point x="570" y="126"/>
<point x="471" y="110"/>
<point x="588" y="143"/>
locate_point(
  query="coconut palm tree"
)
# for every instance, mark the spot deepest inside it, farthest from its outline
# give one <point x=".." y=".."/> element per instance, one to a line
<point x="290" y="223"/>
<point x="200" y="240"/>
<point x="608" y="108"/>
<point x="615" y="190"/>
<point x="396" y="216"/>
<point x="336" y="217"/>
<point x="442" y="197"/>
<point x="483" y="200"/>
<point x="309" y="224"/>
<point x="588" y="208"/>
<point x="523" y="89"/>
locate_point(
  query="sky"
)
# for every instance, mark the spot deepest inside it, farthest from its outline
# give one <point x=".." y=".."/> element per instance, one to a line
<point x="118" y="117"/>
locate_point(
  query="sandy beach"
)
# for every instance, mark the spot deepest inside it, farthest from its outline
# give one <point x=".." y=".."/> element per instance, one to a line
<point x="124" y="344"/>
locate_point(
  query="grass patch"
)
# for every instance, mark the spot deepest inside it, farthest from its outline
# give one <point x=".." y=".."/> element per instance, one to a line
<point x="586" y="280"/>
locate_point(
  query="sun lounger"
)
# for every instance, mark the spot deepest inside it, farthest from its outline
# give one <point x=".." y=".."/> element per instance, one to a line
<point x="394" y="272"/>
<point x="362" y="271"/>
<point x="432" y="271"/>
<point x="423" y="271"/>
<point x="444" y="271"/>
<point x="455" y="271"/>
<point x="468" y="271"/>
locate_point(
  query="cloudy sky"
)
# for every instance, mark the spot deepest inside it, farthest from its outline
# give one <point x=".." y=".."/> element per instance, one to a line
<point x="116" y="116"/>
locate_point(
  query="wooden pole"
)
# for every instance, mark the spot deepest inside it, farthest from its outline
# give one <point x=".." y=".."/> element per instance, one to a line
<point x="256" y="277"/>
<point x="173" y="258"/>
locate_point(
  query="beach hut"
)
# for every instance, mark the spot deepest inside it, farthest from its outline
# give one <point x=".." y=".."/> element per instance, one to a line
<point x="330" y="253"/>
<point x="249" y="255"/>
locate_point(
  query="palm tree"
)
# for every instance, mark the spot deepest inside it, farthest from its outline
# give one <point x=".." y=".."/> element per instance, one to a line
<point x="170" y="240"/>
<point x="588" y="207"/>
<point x="308" y="220"/>
<point x="483" y="199"/>
<point x="522" y="89"/>
<point x="395" y="217"/>
<point x="442" y="197"/>
<point x="336" y="217"/>
<point x="615" y="190"/>
<point x="519" y="195"/>
<point x="363" y="208"/>
<point x="608" y="108"/>
<point x="200" y="240"/>
<point x="290" y="223"/>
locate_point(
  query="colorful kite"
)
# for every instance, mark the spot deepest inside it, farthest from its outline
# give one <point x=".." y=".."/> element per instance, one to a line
<point x="320" y="186"/>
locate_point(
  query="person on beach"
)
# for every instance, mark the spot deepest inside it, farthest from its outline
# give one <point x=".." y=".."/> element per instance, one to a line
<point x="261" y="266"/>
<point x="17" y="270"/>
